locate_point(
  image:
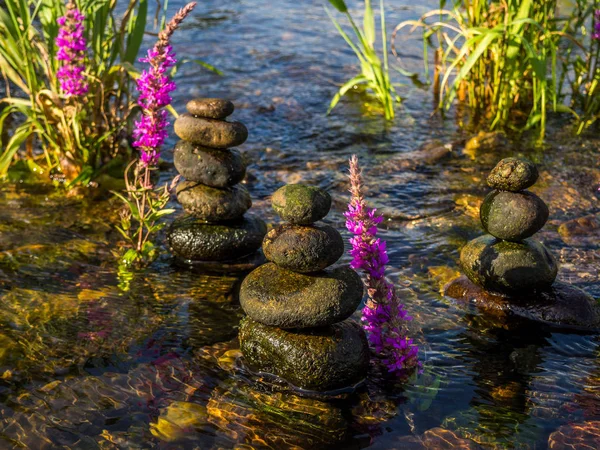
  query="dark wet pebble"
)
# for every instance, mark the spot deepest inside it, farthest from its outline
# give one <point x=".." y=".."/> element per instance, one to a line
<point x="507" y="267"/>
<point x="213" y="167"/>
<point x="194" y="240"/>
<point x="513" y="216"/>
<point x="303" y="248"/>
<point x="320" y="359"/>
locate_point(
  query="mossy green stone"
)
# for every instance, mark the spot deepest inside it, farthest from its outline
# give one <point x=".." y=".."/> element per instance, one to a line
<point x="513" y="174"/>
<point x="301" y="204"/>
<point x="212" y="204"/>
<point x="319" y="359"/>
<point x="508" y="267"/>
<point x="303" y="248"/>
<point x="194" y="240"/>
<point x="210" y="132"/>
<point x="513" y="216"/>
<point x="218" y="168"/>
<point x="281" y="298"/>
<point x="210" y="108"/>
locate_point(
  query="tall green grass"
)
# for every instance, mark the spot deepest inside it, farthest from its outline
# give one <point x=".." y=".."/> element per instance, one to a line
<point x="373" y="73"/>
<point x="72" y="139"/>
<point x="497" y="57"/>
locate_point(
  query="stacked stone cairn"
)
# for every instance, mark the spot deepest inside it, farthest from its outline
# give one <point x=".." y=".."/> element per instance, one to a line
<point x="215" y="227"/>
<point x="298" y="306"/>
<point x="507" y="270"/>
<point x="507" y="260"/>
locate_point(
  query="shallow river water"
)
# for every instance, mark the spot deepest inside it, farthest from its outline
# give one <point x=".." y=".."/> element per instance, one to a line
<point x="93" y="358"/>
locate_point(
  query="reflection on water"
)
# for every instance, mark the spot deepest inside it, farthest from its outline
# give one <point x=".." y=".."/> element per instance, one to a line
<point x="85" y="364"/>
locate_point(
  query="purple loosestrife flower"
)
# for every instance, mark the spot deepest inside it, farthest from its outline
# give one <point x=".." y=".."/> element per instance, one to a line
<point x="71" y="52"/>
<point x="155" y="86"/>
<point x="384" y="317"/>
<point x="596" y="33"/>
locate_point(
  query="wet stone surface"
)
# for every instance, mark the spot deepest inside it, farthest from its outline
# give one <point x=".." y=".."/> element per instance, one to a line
<point x="299" y="357"/>
<point x="210" y="132"/>
<point x="218" y="168"/>
<point x="513" y="216"/>
<point x="301" y="204"/>
<point x="195" y="240"/>
<point x="213" y="204"/>
<point x="507" y="267"/>
<point x="210" y="108"/>
<point x="281" y="298"/>
<point x="513" y="174"/>
<point x="303" y="248"/>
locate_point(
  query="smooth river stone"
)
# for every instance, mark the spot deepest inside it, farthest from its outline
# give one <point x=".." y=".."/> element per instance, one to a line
<point x="210" y="108"/>
<point x="213" y="167"/>
<point x="281" y="298"/>
<point x="513" y="174"/>
<point x="321" y="359"/>
<point x="508" y="267"/>
<point x="194" y="240"/>
<point x="301" y="204"/>
<point x="303" y="248"/>
<point x="210" y="132"/>
<point x="560" y="305"/>
<point x="211" y="204"/>
<point x="513" y="216"/>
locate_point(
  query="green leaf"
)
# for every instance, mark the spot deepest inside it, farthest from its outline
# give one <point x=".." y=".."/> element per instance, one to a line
<point x="369" y="23"/>
<point x="359" y="79"/>
<point x="19" y="136"/>
<point x="134" y="40"/>
<point x="340" y="5"/>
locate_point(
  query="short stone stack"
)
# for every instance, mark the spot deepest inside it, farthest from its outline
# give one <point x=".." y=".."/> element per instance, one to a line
<point x="297" y="305"/>
<point x="506" y="260"/>
<point x="215" y="227"/>
<point x="508" y="272"/>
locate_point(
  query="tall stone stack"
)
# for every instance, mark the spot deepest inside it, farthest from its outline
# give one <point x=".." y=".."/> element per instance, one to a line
<point x="507" y="271"/>
<point x="507" y="260"/>
<point x="215" y="227"/>
<point x="298" y="306"/>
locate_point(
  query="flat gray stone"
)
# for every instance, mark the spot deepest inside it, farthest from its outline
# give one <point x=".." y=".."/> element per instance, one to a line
<point x="210" y="108"/>
<point x="321" y="359"/>
<point x="193" y="240"/>
<point x="281" y="298"/>
<point x="210" y="132"/>
<point x="303" y="248"/>
<point x="212" y="204"/>
<point x="218" y="168"/>
<point x="513" y="216"/>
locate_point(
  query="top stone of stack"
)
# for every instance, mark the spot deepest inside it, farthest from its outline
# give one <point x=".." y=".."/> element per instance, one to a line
<point x="210" y="108"/>
<point x="299" y="204"/>
<point x="513" y="174"/>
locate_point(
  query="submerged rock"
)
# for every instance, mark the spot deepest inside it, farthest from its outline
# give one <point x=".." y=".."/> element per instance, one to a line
<point x="303" y="248"/>
<point x="281" y="298"/>
<point x="210" y="132"/>
<point x="218" y="168"/>
<point x="210" y="108"/>
<point x="300" y="204"/>
<point x="192" y="239"/>
<point x="507" y="267"/>
<point x="560" y="305"/>
<point x="513" y="216"/>
<point x="320" y="359"/>
<point x="513" y="174"/>
<point x="212" y="204"/>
